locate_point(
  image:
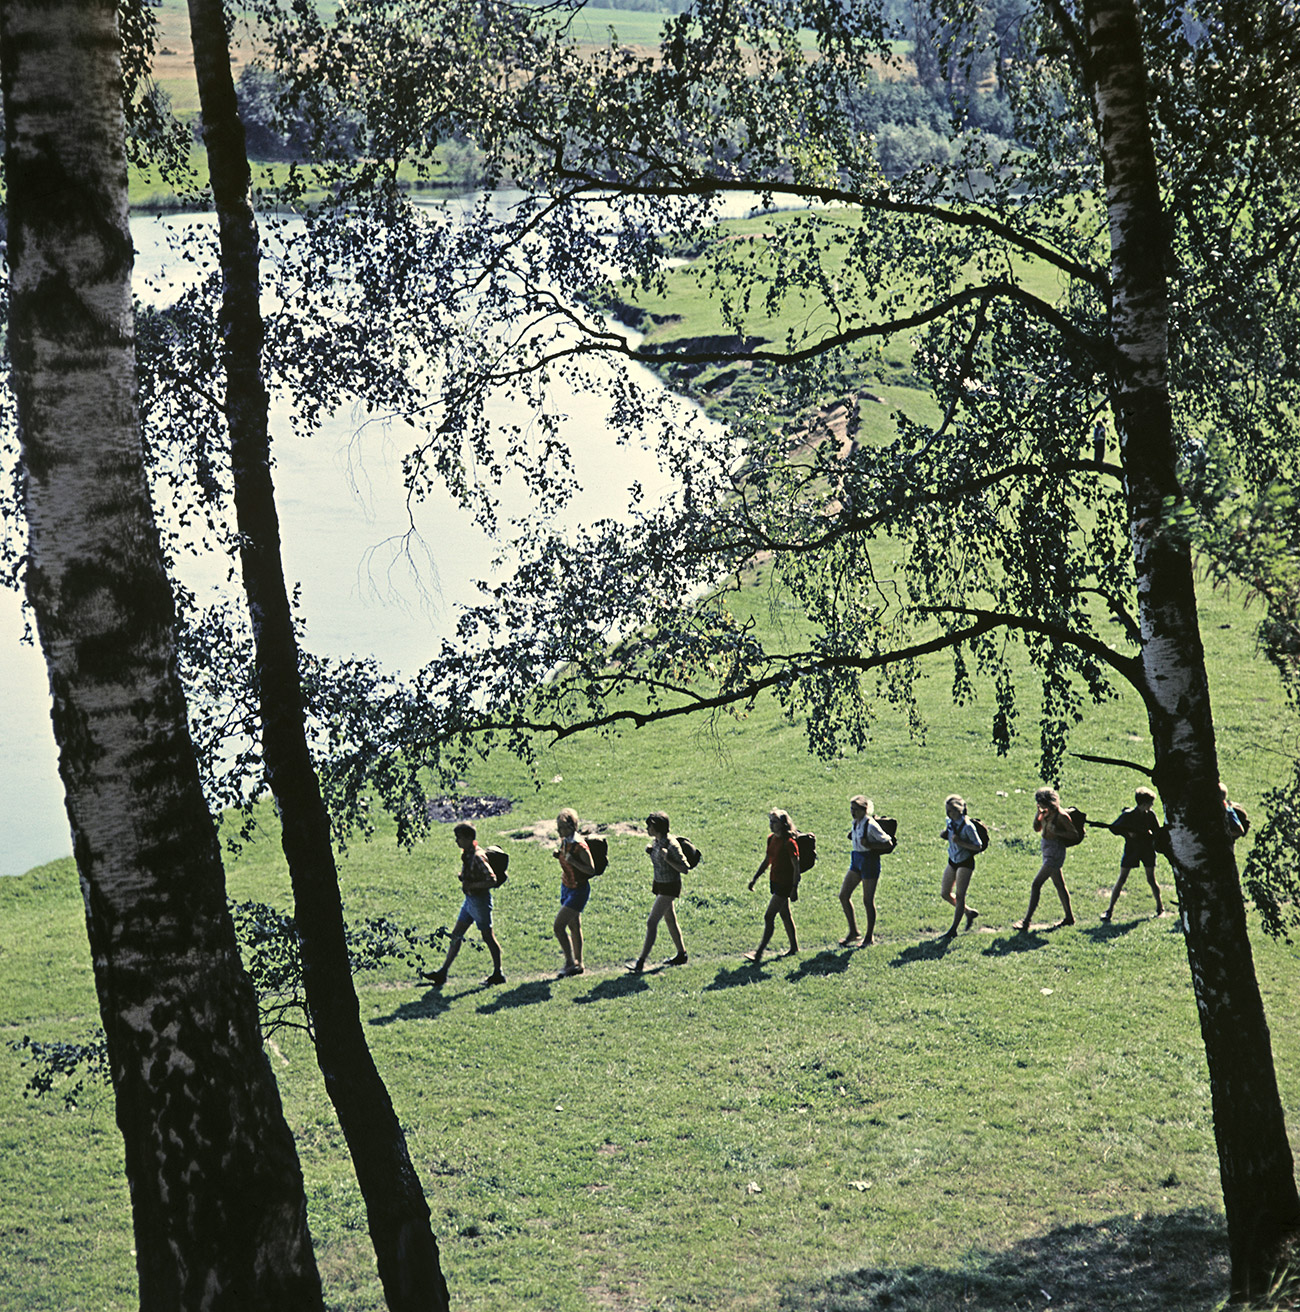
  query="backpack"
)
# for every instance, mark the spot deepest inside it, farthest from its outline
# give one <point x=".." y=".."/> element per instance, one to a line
<point x="807" y="845"/>
<point x="499" y="859"/>
<point x="1242" y="818"/>
<point x="981" y="832"/>
<point x="1078" y="820"/>
<point x="890" y="826"/>
<point x="599" y="849"/>
<point x="692" y="853"/>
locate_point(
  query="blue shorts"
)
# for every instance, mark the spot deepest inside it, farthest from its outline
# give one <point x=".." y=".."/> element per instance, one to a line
<point x="866" y="865"/>
<point x="575" y="898"/>
<point x="475" y="910"/>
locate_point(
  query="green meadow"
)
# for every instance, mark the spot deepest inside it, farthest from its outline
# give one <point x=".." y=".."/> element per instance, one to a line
<point x="983" y="1124"/>
<point x="1000" y="1121"/>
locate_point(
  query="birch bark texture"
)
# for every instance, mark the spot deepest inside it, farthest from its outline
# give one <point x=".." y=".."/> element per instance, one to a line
<point x="1255" y="1162"/>
<point x="216" y="1190"/>
<point x="401" y="1232"/>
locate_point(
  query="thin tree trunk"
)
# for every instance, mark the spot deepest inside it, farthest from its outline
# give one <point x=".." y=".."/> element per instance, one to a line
<point x="216" y="1191"/>
<point x="1255" y="1163"/>
<point x="405" y="1247"/>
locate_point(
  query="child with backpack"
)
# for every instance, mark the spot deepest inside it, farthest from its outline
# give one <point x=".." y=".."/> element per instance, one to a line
<point x="963" y="843"/>
<point x="1138" y="826"/>
<point x="867" y="841"/>
<point x="782" y="863"/>
<point x="477" y="880"/>
<point x="576" y="871"/>
<point x="1058" y="832"/>
<point x="669" y="864"/>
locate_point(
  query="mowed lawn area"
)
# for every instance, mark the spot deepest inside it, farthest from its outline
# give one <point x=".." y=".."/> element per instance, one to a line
<point x="983" y="1124"/>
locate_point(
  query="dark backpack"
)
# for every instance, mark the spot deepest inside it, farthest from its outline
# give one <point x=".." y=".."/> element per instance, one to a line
<point x="692" y="853"/>
<point x="981" y="832"/>
<point x="499" y="859"/>
<point x="890" y="826"/>
<point x="1242" y="818"/>
<point x="807" y="845"/>
<point x="599" y="849"/>
<point x="1078" y="821"/>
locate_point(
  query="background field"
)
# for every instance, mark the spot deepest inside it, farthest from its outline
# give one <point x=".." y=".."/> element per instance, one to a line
<point x="911" y="1124"/>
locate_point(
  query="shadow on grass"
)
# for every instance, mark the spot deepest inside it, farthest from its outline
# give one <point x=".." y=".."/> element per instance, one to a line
<point x="1013" y="944"/>
<point x="522" y="995"/>
<point x="429" y="1007"/>
<point x="735" y="977"/>
<point x="928" y="949"/>
<point x="1109" y="929"/>
<point x="825" y="962"/>
<point x="619" y="986"/>
<point x="1174" y="1263"/>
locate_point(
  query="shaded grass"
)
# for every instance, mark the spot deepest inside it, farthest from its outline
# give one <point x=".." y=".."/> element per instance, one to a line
<point x="911" y="1125"/>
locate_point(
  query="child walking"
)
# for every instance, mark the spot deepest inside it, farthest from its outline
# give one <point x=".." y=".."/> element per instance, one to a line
<point x="669" y="864"/>
<point x="1137" y="825"/>
<point x="963" y="844"/>
<point x="867" y="840"/>
<point x="477" y="882"/>
<point x="576" y="871"/>
<point x="782" y="864"/>
<point x="1055" y="827"/>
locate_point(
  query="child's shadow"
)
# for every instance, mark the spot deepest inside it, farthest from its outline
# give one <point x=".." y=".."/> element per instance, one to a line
<point x="1109" y="929"/>
<point x="522" y="995"/>
<point x="736" y="977"/>
<point x="618" y="986"/>
<point x="825" y="962"/>
<point x="928" y="949"/>
<point x="1022" y="940"/>
<point x="432" y="1005"/>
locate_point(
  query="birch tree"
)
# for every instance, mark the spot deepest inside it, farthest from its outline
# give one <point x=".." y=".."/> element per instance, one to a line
<point x="216" y="1190"/>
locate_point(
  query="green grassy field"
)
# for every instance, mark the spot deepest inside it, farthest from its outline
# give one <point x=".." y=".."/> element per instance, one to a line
<point x="912" y="1125"/>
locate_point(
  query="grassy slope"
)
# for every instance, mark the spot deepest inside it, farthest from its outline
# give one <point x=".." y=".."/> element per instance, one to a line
<point x="713" y="1136"/>
<point x="968" y="1126"/>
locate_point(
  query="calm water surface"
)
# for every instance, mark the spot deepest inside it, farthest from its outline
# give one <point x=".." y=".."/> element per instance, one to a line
<point x="341" y="509"/>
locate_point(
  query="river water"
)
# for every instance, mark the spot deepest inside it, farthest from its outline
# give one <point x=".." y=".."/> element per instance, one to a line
<point x="341" y="507"/>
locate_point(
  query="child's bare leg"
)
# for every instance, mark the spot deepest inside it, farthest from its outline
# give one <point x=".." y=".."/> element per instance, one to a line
<point x="788" y="921"/>
<point x="769" y="924"/>
<point x="1034" y="890"/>
<point x="1155" y="889"/>
<point x="1058" y="880"/>
<point x="494" y="948"/>
<point x="657" y="912"/>
<point x="563" y="921"/>
<point x="1115" y="892"/>
<point x="869" y="905"/>
<point x="846" y="902"/>
<point x="674" y="930"/>
<point x="960" y="883"/>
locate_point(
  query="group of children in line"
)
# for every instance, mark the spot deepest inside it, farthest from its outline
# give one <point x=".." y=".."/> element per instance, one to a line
<point x="1138" y="825"/>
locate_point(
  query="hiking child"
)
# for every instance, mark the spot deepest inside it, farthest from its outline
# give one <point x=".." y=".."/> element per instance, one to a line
<point x="782" y="864"/>
<point x="669" y="864"/>
<point x="576" y="871"/>
<point x="1137" y="825"/>
<point x="1232" y="820"/>
<point x="1055" y="826"/>
<point x="867" y="840"/>
<point x="963" y="844"/>
<point x="477" y="882"/>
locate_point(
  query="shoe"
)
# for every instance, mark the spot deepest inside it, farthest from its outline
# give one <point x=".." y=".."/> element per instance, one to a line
<point x="679" y="960"/>
<point x="435" y="977"/>
<point x="637" y="966"/>
<point x="755" y="957"/>
<point x="573" y="969"/>
<point x="496" y="977"/>
<point x="1021" y="925"/>
<point x="848" y="940"/>
<point x="970" y="918"/>
<point x="1065" y="922"/>
<point x="1105" y="917"/>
